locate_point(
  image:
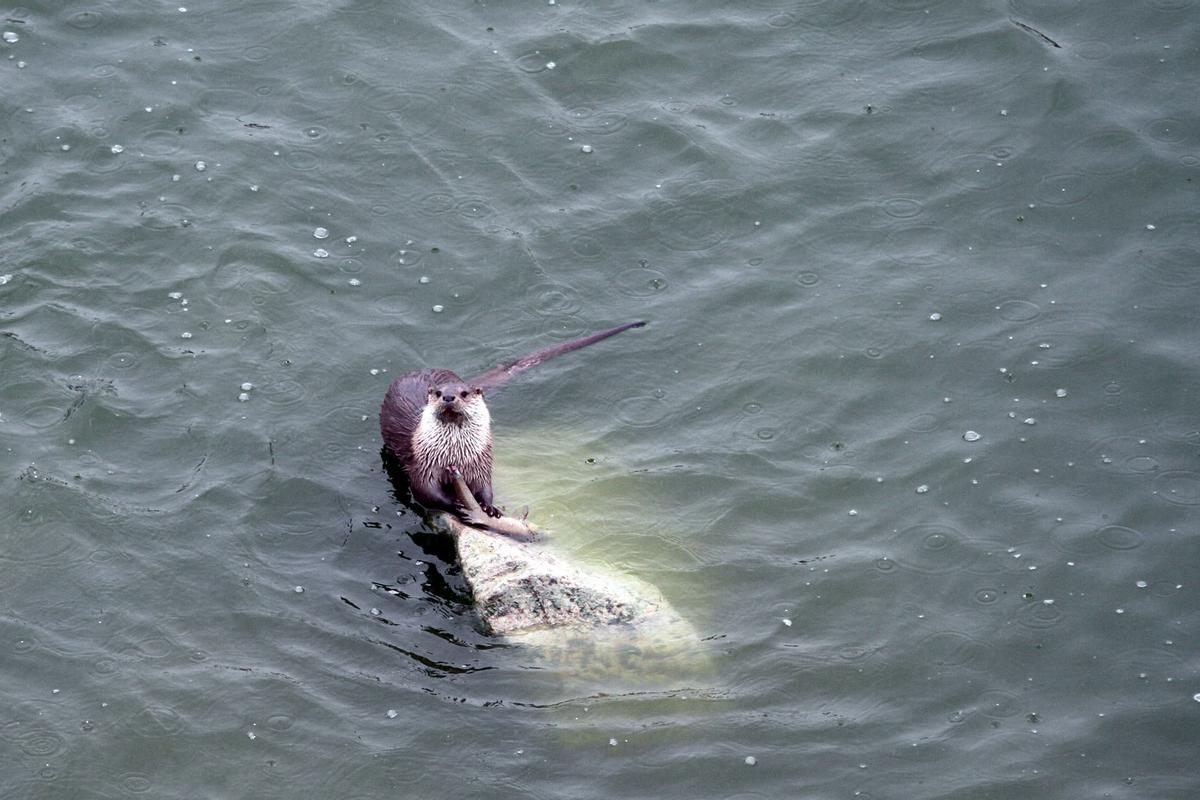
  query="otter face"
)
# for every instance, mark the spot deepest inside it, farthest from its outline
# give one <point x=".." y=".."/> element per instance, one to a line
<point x="452" y="401"/>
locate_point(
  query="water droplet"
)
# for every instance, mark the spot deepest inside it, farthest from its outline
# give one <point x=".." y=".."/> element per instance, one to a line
<point x="587" y="148"/>
<point x="971" y="436"/>
<point x="247" y="386"/>
<point x="354" y="282"/>
<point x="751" y="760"/>
<point x="439" y="308"/>
<point x="423" y="279"/>
<point x="299" y="590"/>
<point x="243" y="397"/>
<point x="117" y="149"/>
<point x="11" y="37"/>
<point x="1060" y="392"/>
<point x="1141" y="584"/>
<point x="392" y="713"/>
<point x="1029" y="421"/>
<point x="321" y="233"/>
<point x="185" y="335"/>
<point x="786" y="622"/>
<point x="1151" y="227"/>
<point x="201" y="166"/>
<point x="935" y="316"/>
<point x="853" y="512"/>
<point x="923" y="488"/>
<point x="321" y="252"/>
<point x="550" y="65"/>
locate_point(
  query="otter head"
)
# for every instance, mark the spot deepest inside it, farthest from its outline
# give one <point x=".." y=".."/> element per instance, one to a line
<point x="454" y="403"/>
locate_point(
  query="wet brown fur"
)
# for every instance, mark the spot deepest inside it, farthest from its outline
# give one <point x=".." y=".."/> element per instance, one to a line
<point x="435" y="423"/>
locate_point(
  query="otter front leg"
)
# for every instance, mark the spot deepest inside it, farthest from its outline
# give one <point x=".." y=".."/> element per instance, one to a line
<point x="435" y="495"/>
<point x="484" y="495"/>
<point x="481" y="493"/>
<point x="464" y="501"/>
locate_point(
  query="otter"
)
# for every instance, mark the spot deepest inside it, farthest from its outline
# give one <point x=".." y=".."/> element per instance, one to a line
<point x="439" y="429"/>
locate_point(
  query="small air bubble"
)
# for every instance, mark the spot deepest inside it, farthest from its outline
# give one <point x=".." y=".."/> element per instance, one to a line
<point x="935" y="316"/>
<point x="1151" y="227"/>
<point x="923" y="488"/>
<point x="971" y="436"/>
<point x="185" y="335"/>
<point x="321" y="233"/>
<point x="587" y="148"/>
<point x="201" y="166"/>
<point x="298" y="590"/>
<point x="439" y="308"/>
<point x="247" y="386"/>
<point x="11" y="37"/>
<point x="392" y="713"/>
<point x="751" y="760"/>
<point x="1141" y="584"/>
<point x="117" y="149"/>
<point x="1060" y="392"/>
<point x="321" y="252"/>
<point x="1029" y="421"/>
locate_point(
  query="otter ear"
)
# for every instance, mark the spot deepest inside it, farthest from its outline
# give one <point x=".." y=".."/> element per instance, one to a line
<point x="432" y="389"/>
<point x="478" y="391"/>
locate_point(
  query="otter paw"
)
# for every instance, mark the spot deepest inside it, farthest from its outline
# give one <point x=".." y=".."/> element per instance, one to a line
<point x="492" y="511"/>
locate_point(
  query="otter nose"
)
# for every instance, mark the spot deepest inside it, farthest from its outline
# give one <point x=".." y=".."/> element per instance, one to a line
<point x="448" y="398"/>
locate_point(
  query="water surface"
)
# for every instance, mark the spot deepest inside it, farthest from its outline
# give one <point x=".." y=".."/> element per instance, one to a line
<point x="859" y="229"/>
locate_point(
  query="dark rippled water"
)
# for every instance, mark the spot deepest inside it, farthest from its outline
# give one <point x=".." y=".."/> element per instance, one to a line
<point x="860" y="230"/>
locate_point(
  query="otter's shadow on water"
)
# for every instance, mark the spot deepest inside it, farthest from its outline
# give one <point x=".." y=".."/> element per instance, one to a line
<point x="443" y="577"/>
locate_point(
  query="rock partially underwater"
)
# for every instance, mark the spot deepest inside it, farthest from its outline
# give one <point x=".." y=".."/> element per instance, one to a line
<point x="586" y="617"/>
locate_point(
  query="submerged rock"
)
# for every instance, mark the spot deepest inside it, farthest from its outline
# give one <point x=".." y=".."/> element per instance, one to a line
<point x="588" y="617"/>
<point x="521" y="586"/>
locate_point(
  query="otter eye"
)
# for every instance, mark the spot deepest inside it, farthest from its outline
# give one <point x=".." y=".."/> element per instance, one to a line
<point x="464" y="394"/>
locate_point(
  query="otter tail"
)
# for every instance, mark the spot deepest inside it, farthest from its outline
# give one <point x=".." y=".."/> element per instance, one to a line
<point x="500" y="375"/>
